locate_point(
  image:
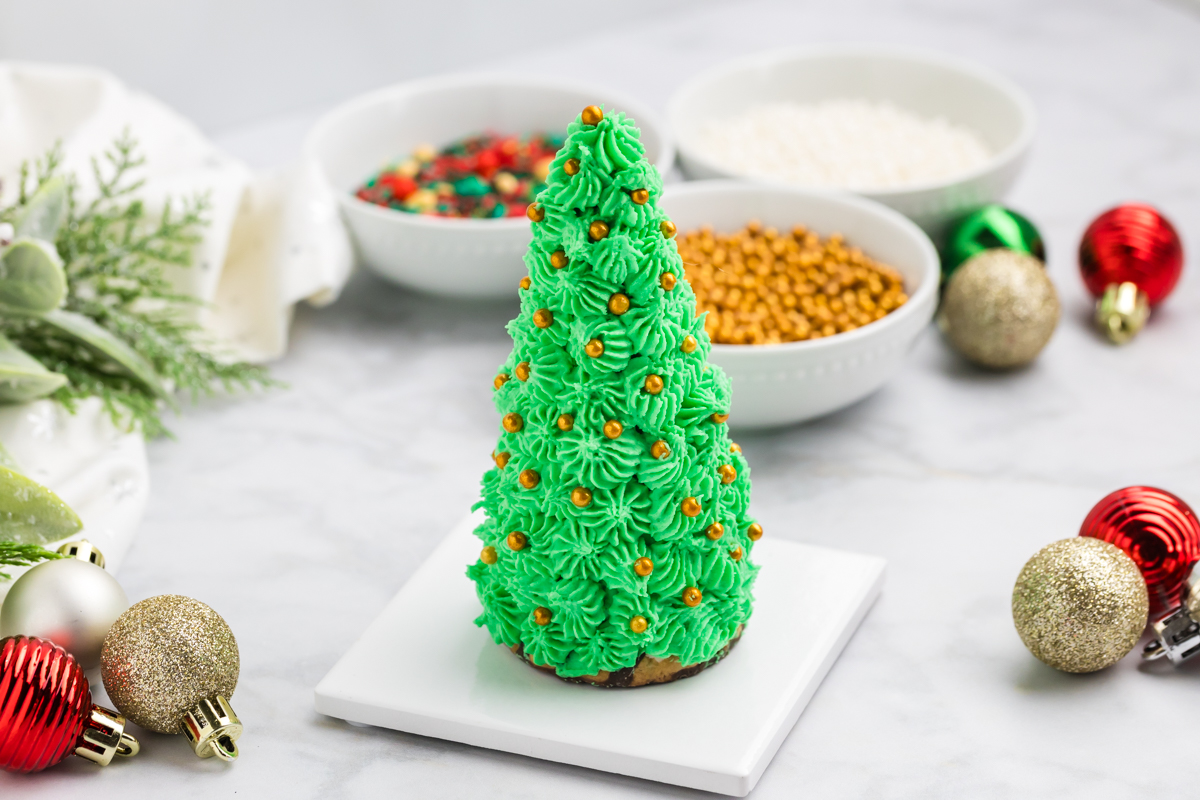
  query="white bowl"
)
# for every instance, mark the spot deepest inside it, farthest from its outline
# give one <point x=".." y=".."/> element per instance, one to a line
<point x="923" y="83"/>
<point x="781" y="384"/>
<point x="456" y="257"/>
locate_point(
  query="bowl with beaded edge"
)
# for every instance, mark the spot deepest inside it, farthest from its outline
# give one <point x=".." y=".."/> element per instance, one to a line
<point x="930" y="85"/>
<point x="467" y="258"/>
<point x="783" y="384"/>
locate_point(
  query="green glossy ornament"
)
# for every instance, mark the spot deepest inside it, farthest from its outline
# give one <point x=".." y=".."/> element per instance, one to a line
<point x="988" y="228"/>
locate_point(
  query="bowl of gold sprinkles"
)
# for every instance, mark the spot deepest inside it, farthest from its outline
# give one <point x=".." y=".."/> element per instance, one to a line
<point x="423" y="210"/>
<point x="813" y="299"/>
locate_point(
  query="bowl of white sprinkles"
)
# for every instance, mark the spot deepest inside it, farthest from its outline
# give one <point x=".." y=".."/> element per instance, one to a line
<point x="931" y="136"/>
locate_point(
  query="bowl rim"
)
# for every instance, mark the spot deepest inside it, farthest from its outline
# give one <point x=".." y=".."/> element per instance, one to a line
<point x="925" y="294"/>
<point x="772" y="58"/>
<point x="642" y="114"/>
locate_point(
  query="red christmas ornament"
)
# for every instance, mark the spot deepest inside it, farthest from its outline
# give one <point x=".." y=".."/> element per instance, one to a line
<point x="1131" y="258"/>
<point x="46" y="710"/>
<point x="1157" y="530"/>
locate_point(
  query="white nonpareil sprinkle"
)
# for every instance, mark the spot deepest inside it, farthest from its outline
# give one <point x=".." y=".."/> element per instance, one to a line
<point x="842" y="144"/>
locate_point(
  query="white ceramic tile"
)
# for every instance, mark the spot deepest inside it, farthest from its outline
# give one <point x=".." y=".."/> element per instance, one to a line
<point x="422" y="667"/>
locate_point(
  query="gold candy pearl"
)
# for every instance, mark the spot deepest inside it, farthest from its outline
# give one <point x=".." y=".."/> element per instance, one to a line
<point x="581" y="497"/>
<point x="667" y="281"/>
<point x="667" y="227"/>
<point x="660" y="449"/>
<point x="618" y="303"/>
<point x="715" y="531"/>
<point x="591" y="115"/>
<point x="542" y="615"/>
<point x="689" y="344"/>
<point x="719" y="418"/>
<point x="640" y="196"/>
<point x="488" y="555"/>
<point x="692" y="597"/>
<point x="755" y="531"/>
<point x="653" y="384"/>
<point x="529" y="478"/>
<point x="501" y="459"/>
<point x="638" y="624"/>
<point x="526" y="283"/>
<point x="728" y="473"/>
<point x="512" y="422"/>
<point x="517" y="540"/>
<point x="690" y="507"/>
<point x="566" y="422"/>
<point x="643" y="566"/>
<point x="598" y="230"/>
<point x="613" y="429"/>
<point x="500" y="380"/>
<point x="558" y="259"/>
<point x="594" y="348"/>
<point x="535" y="212"/>
<point x="543" y="318"/>
<point x="572" y="166"/>
<point x="522" y="371"/>
<point x="736" y="554"/>
<point x="735" y="448"/>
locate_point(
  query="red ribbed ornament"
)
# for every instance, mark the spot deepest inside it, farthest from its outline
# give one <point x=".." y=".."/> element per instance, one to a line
<point x="1157" y="530"/>
<point x="1131" y="243"/>
<point x="45" y="702"/>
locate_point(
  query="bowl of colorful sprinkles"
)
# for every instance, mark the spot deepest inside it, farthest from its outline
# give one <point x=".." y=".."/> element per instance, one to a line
<point x="435" y="176"/>
<point x="928" y="135"/>
<point x="813" y="299"/>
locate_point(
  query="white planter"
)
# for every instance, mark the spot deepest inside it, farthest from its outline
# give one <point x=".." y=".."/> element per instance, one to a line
<point x="96" y="468"/>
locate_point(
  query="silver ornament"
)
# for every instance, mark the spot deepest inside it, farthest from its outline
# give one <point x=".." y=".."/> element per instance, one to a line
<point x="72" y="603"/>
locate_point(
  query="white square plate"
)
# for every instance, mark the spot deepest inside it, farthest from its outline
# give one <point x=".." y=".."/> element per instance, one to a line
<point x="424" y="668"/>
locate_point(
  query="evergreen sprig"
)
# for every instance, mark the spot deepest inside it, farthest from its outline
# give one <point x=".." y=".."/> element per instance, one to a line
<point x="13" y="554"/>
<point x="115" y="256"/>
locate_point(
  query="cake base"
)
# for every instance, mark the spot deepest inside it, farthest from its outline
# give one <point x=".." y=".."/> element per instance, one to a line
<point x="648" y="669"/>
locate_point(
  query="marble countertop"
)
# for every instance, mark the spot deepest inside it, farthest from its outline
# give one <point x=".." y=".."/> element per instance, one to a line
<point x="310" y="506"/>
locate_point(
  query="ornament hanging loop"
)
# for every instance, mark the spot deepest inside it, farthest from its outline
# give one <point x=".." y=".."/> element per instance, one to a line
<point x="212" y="729"/>
<point x="82" y="550"/>
<point x="1122" y="311"/>
<point x="104" y="737"/>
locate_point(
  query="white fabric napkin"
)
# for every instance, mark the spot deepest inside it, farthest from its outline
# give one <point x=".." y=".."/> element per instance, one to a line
<point x="273" y="240"/>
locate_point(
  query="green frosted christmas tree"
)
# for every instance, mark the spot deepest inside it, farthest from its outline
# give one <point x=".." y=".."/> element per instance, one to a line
<point x="617" y="541"/>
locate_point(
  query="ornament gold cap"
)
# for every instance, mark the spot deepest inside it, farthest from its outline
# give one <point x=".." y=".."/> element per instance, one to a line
<point x="104" y="738"/>
<point x="1178" y="633"/>
<point x="83" y="550"/>
<point x="1122" y="311"/>
<point x="212" y="729"/>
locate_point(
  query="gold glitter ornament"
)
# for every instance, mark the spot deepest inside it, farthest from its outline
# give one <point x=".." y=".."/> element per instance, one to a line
<point x="1000" y="309"/>
<point x="169" y="664"/>
<point x="1080" y="604"/>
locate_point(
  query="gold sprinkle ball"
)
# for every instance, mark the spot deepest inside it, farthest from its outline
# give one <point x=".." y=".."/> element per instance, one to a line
<point x="735" y="448"/>
<point x="613" y="429"/>
<point x="690" y="507"/>
<point x="653" y="384"/>
<point x="594" y="348"/>
<point x="535" y="212"/>
<point x="598" y="230"/>
<point x="667" y="281"/>
<point x="640" y="196"/>
<point x="728" y="473"/>
<point x="488" y="555"/>
<point x="689" y="344"/>
<point x="571" y="167"/>
<point x="558" y="259"/>
<point x="500" y="380"/>
<point x="517" y="540"/>
<point x="638" y="624"/>
<point x="1080" y="604"/>
<point x="643" y="566"/>
<point x="719" y="418"/>
<point x="501" y="459"/>
<point x="755" y="531"/>
<point x="512" y="422"/>
<point x="736" y="554"/>
<point x="581" y="497"/>
<point x="522" y="371"/>
<point x="618" y="303"/>
<point x="529" y="478"/>
<point x="543" y="318"/>
<point x="715" y="531"/>
<point x="542" y="615"/>
<point x="565" y="422"/>
<point x="660" y="449"/>
<point x="164" y="656"/>
<point x="591" y="115"/>
<point x="692" y="596"/>
<point x="526" y="283"/>
<point x="667" y="227"/>
<point x="765" y="286"/>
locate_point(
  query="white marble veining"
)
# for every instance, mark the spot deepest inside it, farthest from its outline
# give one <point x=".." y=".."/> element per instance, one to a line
<point x="299" y="513"/>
